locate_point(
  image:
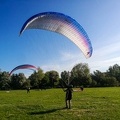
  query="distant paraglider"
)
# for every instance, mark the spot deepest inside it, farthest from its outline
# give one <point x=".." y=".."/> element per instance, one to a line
<point x="25" y="66"/>
<point x="63" y="24"/>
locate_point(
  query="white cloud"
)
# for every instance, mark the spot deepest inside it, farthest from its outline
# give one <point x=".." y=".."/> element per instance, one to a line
<point x="49" y="67"/>
<point x="103" y="57"/>
<point x="66" y="61"/>
<point x="66" y="56"/>
<point x="106" y="50"/>
<point x="106" y="55"/>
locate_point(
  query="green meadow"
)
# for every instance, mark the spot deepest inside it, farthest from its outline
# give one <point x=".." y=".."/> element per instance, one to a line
<point x="91" y="104"/>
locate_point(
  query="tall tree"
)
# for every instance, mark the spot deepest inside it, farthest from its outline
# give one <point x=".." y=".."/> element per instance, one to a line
<point x="98" y="76"/>
<point x="36" y="78"/>
<point x="65" y="76"/>
<point x="4" y="80"/>
<point x="17" y="81"/>
<point x="114" y="71"/>
<point x="53" y="78"/>
<point x="81" y="75"/>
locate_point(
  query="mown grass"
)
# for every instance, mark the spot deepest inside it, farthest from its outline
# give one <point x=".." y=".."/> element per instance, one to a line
<point x="91" y="104"/>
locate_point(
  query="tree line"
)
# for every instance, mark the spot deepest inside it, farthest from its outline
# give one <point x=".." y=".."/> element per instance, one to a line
<point x="79" y="76"/>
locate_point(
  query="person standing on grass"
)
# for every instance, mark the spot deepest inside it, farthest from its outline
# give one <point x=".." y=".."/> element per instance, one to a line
<point x="68" y="97"/>
<point x="28" y="89"/>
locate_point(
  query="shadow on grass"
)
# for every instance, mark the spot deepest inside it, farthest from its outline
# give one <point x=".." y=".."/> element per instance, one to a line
<point x="45" y="111"/>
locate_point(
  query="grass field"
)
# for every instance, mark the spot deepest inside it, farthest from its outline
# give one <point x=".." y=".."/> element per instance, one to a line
<point x="91" y="104"/>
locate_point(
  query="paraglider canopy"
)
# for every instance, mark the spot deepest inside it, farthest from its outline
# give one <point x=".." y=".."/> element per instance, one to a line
<point x="25" y="66"/>
<point x="63" y="24"/>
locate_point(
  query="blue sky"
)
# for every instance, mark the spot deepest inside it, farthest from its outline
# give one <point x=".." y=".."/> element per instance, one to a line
<point x="52" y="51"/>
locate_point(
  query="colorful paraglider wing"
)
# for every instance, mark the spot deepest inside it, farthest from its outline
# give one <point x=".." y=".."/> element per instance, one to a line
<point x="25" y="66"/>
<point x="62" y="24"/>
